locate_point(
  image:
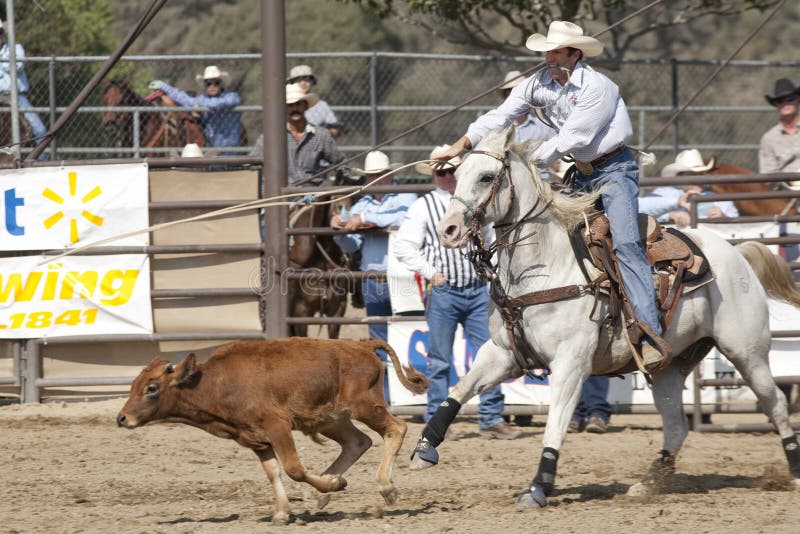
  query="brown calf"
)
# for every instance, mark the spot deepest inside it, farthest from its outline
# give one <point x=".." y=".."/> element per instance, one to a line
<point x="257" y="392"/>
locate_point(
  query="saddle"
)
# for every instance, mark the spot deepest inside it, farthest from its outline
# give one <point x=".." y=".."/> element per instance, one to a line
<point x="674" y="258"/>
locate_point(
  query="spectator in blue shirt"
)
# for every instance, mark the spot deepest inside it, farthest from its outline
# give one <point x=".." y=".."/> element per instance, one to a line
<point x="374" y="210"/>
<point x="37" y="126"/>
<point x="320" y="114"/>
<point x="222" y="125"/>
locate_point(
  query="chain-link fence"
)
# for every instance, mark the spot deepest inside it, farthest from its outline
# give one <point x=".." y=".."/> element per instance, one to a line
<point x="377" y="95"/>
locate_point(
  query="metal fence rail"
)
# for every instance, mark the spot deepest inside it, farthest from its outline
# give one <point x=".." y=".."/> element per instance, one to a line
<point x="379" y="94"/>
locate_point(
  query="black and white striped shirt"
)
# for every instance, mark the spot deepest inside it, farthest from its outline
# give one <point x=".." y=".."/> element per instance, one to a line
<point x="418" y="247"/>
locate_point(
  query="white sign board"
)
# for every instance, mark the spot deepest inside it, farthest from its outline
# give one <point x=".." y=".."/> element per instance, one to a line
<point x="75" y="295"/>
<point x="48" y="208"/>
<point x="410" y="341"/>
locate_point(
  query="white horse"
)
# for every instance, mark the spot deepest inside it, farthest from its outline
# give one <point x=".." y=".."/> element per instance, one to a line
<point x="729" y="313"/>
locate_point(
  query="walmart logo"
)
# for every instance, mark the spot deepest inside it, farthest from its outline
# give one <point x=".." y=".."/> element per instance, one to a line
<point x="72" y="200"/>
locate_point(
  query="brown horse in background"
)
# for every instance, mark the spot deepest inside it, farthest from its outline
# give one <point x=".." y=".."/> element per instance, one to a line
<point x="164" y="129"/>
<point x="314" y="295"/>
<point x="763" y="207"/>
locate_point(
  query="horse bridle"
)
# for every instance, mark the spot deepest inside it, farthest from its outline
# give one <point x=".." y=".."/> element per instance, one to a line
<point x="481" y="259"/>
<point x="481" y="253"/>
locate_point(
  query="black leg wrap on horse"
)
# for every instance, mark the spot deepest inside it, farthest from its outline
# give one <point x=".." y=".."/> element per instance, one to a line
<point x="442" y="418"/>
<point x="792" y="450"/>
<point x="546" y="476"/>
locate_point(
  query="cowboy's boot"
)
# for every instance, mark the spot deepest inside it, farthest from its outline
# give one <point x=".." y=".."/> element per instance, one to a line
<point x="654" y="360"/>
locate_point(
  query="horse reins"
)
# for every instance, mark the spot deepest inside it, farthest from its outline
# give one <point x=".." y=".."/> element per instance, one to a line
<point x="480" y="257"/>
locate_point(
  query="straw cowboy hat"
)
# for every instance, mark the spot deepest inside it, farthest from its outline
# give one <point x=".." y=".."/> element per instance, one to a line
<point x="427" y="168"/>
<point x="376" y="162"/>
<point x="294" y="93"/>
<point x="562" y="34"/>
<point x="511" y="80"/>
<point x="783" y="88"/>
<point x="300" y="71"/>
<point x="687" y="161"/>
<point x="212" y="72"/>
<point x="192" y="150"/>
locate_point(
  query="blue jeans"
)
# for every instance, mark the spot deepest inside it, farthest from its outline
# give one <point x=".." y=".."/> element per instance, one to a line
<point x="448" y="307"/>
<point x="378" y="303"/>
<point x="620" y="175"/>
<point x="593" y="400"/>
<point x="37" y="126"/>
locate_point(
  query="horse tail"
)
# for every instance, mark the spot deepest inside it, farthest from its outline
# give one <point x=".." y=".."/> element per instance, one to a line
<point x="412" y="380"/>
<point x="772" y="271"/>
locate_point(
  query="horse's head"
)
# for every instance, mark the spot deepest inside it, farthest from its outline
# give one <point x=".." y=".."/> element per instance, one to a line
<point x="116" y="93"/>
<point x="483" y="192"/>
<point x="496" y="184"/>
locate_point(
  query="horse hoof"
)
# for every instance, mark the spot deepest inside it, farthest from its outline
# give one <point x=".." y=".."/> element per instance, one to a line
<point x="532" y="497"/>
<point x="418" y="464"/>
<point x="640" y="489"/>
<point x="336" y="482"/>
<point x="424" y="456"/>
<point x="389" y="496"/>
<point x="323" y="500"/>
<point x="280" y="518"/>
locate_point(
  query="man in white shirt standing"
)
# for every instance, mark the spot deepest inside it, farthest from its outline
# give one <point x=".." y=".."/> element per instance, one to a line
<point x="593" y="126"/>
<point x="457" y="296"/>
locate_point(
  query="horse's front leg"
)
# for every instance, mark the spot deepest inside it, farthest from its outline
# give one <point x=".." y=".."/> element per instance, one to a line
<point x="492" y="366"/>
<point x="567" y="376"/>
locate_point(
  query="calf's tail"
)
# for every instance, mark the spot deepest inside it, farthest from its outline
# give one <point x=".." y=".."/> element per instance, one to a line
<point x="412" y="380"/>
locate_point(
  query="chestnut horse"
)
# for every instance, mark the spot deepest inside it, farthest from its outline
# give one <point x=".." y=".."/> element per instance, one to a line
<point x="763" y="207"/>
<point x="315" y="294"/>
<point x="170" y="129"/>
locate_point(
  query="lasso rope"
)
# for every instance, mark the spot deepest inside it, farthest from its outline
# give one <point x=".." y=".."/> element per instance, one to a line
<point x="309" y="199"/>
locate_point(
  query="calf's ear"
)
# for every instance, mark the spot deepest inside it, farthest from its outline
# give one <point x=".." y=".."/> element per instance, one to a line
<point x="184" y="370"/>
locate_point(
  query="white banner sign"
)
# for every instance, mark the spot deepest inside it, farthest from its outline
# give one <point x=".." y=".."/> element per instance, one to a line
<point x="410" y="341"/>
<point x="64" y="207"/>
<point x="75" y="295"/>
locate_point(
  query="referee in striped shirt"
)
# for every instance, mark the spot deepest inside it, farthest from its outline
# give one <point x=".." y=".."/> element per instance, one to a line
<point x="456" y="295"/>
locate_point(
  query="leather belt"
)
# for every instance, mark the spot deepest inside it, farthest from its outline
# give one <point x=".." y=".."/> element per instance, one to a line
<point x="587" y="168"/>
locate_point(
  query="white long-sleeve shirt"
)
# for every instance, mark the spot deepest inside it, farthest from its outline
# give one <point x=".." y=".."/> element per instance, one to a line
<point x="589" y="112"/>
<point x="418" y="248"/>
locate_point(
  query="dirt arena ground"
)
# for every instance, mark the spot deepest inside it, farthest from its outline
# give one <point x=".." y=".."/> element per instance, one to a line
<point x="68" y="468"/>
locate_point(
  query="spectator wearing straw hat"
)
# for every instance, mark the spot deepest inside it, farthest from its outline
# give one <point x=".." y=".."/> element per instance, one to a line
<point x="593" y="125"/>
<point x="311" y="148"/>
<point x="671" y="204"/>
<point x="222" y="125"/>
<point x="320" y="114"/>
<point x="457" y="296"/>
<point x="526" y="126"/>
<point x="374" y="210"/>
<point x="37" y="126"/>
<point x="780" y="145"/>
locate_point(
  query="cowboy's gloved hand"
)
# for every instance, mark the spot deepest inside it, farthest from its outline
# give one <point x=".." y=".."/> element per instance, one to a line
<point x="155" y="85"/>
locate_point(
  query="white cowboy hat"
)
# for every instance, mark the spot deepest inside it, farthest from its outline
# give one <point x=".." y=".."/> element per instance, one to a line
<point x="687" y="161"/>
<point x="299" y="71"/>
<point x="427" y="168"/>
<point x="562" y="34"/>
<point x="294" y="93"/>
<point x="211" y="72"/>
<point x="376" y="162"/>
<point x="511" y="80"/>
<point x="192" y="150"/>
